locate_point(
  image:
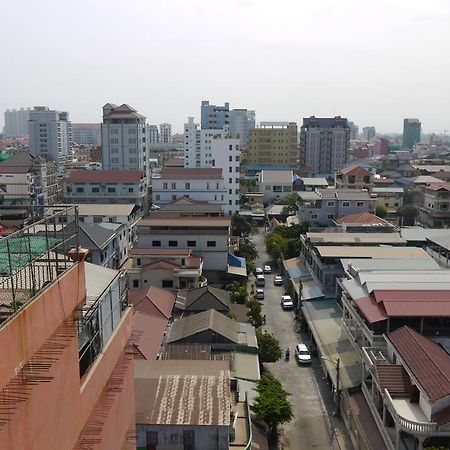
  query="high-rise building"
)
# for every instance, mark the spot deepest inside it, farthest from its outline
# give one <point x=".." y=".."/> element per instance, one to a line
<point x="273" y="144"/>
<point x="240" y="121"/>
<point x="380" y="147"/>
<point x="192" y="148"/>
<point x="16" y="123"/>
<point x="123" y="139"/>
<point x="354" y="130"/>
<point x="411" y="132"/>
<point x="152" y="134"/>
<point x="165" y="133"/>
<point x="213" y="116"/>
<point x="369" y="133"/>
<point x="86" y="133"/>
<point x="324" y="144"/>
<point x="50" y="135"/>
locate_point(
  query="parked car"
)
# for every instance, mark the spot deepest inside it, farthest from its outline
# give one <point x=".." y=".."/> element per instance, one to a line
<point x="260" y="280"/>
<point x="258" y="271"/>
<point x="302" y="354"/>
<point x="267" y="269"/>
<point x="260" y="294"/>
<point x="287" y="303"/>
<point x="278" y="280"/>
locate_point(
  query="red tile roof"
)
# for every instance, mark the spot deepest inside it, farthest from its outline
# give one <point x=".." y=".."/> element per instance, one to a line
<point x="191" y="173"/>
<point x="355" y="170"/>
<point x="105" y="176"/>
<point x="153" y="301"/>
<point x="393" y="378"/>
<point x="361" y="218"/>
<point x="370" y="310"/>
<point x="160" y="264"/>
<point x="426" y="360"/>
<point x="147" y="335"/>
<point x="438" y="187"/>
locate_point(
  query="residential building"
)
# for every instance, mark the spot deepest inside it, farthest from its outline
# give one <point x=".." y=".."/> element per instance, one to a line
<point x="405" y="383"/>
<point x="354" y="177"/>
<point x="198" y="184"/>
<point x="324" y="144"/>
<point x="354" y="130"/>
<point x="164" y="267"/>
<point x="364" y="222"/>
<point x="380" y="147"/>
<point x="152" y="134"/>
<point x="123" y="139"/>
<point x="273" y="144"/>
<point x="322" y="206"/>
<point x="215" y="117"/>
<point x="369" y="133"/>
<point x="203" y="299"/>
<point x="275" y="184"/>
<point x="16" y="123"/>
<point x="165" y="133"/>
<point x="411" y="132"/>
<point x="390" y="198"/>
<point x="188" y="206"/>
<point x="241" y="121"/>
<point x="309" y="184"/>
<point x="65" y="324"/>
<point x="113" y="186"/>
<point x="206" y="236"/>
<point x="86" y="133"/>
<point x="192" y="148"/>
<point x="49" y="135"/>
<point x="434" y="209"/>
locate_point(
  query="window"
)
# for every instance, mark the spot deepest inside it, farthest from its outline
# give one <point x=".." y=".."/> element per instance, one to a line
<point x="132" y="140"/>
<point x="351" y="179"/>
<point x="345" y="204"/>
<point x="135" y="283"/>
<point x="236" y="169"/>
<point x="115" y="141"/>
<point x="114" y="160"/>
<point x="230" y="147"/>
<point x="330" y="203"/>
<point x="230" y="158"/>
<point x="268" y="188"/>
<point x="287" y="189"/>
<point x="237" y="158"/>
<point x="187" y="185"/>
<point x="114" y="150"/>
<point x="156" y="243"/>
<point x="167" y="283"/>
<point x="277" y="189"/>
<point x="138" y="261"/>
<point x="230" y="180"/>
<point x="132" y="161"/>
<point x="386" y="203"/>
<point x="95" y="189"/>
<point x="157" y="197"/>
<point x="80" y="189"/>
<point x="230" y="169"/>
<point x="111" y="190"/>
<point x="164" y="185"/>
<point x="174" y="197"/>
<point x="174" y="185"/>
<point x="207" y="185"/>
<point x="192" y="243"/>
<point x="314" y="216"/>
<point x="210" y="243"/>
<point x="330" y="216"/>
<point x="173" y="243"/>
<point x="131" y="131"/>
<point x="359" y="204"/>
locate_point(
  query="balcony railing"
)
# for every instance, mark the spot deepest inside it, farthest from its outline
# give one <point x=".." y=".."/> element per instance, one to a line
<point x="408" y="425"/>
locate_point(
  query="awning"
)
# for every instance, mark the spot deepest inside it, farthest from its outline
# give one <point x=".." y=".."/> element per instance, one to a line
<point x="311" y="290"/>
<point x="239" y="271"/>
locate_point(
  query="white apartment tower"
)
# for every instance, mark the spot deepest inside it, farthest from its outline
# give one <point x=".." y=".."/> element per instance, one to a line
<point x="123" y="139"/>
<point x="16" y="123"/>
<point x="165" y="133"/>
<point x="50" y="135"/>
<point x="191" y="144"/>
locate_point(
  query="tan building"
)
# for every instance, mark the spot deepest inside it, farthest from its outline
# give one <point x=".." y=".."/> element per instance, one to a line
<point x="273" y="144"/>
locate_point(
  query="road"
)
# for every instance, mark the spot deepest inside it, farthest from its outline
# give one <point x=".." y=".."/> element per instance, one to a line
<point x="313" y="426"/>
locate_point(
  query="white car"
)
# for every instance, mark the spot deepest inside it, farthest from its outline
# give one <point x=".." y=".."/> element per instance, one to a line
<point x="278" y="280"/>
<point x="260" y="294"/>
<point x="302" y="354"/>
<point x="259" y="271"/>
<point x="287" y="303"/>
<point x="267" y="269"/>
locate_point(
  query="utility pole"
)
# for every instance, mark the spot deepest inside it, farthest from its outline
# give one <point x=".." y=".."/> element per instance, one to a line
<point x="338" y="392"/>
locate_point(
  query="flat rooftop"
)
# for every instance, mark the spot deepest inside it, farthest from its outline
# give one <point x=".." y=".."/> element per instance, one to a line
<point x="356" y="238"/>
<point x="338" y="251"/>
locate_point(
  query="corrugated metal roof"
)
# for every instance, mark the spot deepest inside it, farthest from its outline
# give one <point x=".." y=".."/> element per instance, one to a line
<point x="98" y="278"/>
<point x="276" y="176"/>
<point x="368" y="265"/>
<point x="105" y="176"/>
<point x="335" y="251"/>
<point x="393" y="378"/>
<point x="185" y="221"/>
<point x="105" y="209"/>
<point x="356" y="238"/>
<point x="371" y="311"/>
<point x="148" y="333"/>
<point x="422" y="234"/>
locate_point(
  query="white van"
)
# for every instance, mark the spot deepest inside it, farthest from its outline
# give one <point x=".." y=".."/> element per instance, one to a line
<point x="260" y="280"/>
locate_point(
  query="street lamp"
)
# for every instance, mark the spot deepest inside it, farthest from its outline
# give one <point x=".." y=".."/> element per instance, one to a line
<point x="337" y="393"/>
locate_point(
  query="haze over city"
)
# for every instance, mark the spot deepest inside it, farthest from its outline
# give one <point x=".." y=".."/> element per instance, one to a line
<point x="373" y="62"/>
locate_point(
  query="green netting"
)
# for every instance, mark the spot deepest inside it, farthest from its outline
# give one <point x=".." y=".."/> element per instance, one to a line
<point x="20" y="247"/>
<point x="4" y="156"/>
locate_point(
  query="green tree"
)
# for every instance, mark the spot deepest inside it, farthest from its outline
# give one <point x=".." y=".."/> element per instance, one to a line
<point x="381" y="211"/>
<point x="276" y="245"/>
<point x="272" y="404"/>
<point x="240" y="226"/>
<point x="269" y="349"/>
<point x="254" y="314"/>
<point x="408" y="214"/>
<point x="247" y="250"/>
<point x="291" y="204"/>
<point x="239" y="296"/>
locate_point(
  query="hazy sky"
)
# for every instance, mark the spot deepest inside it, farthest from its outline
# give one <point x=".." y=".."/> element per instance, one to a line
<point x="373" y="61"/>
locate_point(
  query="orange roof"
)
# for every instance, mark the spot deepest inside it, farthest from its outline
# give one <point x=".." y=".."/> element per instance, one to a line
<point x="148" y="332"/>
<point x="438" y="187"/>
<point x="154" y="301"/>
<point x="354" y="170"/>
<point x="361" y="218"/>
<point x="191" y="173"/>
<point x="160" y="264"/>
<point x="105" y="176"/>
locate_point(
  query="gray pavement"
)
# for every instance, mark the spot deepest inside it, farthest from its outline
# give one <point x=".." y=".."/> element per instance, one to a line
<point x="313" y="426"/>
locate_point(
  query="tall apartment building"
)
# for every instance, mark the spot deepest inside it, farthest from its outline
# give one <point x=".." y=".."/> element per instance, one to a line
<point x="49" y="133"/>
<point x="354" y="130"/>
<point x="273" y="144"/>
<point x="165" y="133"/>
<point x="241" y="121"/>
<point x="86" y="133"/>
<point x="192" y="148"/>
<point x="324" y="144"/>
<point x="411" y="132"/>
<point x="380" y="147"/>
<point x="213" y="116"/>
<point x="16" y="123"/>
<point x="123" y="139"/>
<point x="152" y="134"/>
<point x="369" y="133"/>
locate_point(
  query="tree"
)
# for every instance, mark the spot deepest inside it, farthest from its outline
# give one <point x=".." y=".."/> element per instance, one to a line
<point x="240" y="226"/>
<point x="272" y="404"/>
<point x="254" y="314"/>
<point x="269" y="349"/>
<point x="408" y="214"/>
<point x="247" y="250"/>
<point x="291" y="202"/>
<point x="276" y="245"/>
<point x="239" y="296"/>
<point x="381" y="211"/>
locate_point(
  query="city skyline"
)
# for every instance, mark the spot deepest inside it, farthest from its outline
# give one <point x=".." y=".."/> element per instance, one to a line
<point x="374" y="64"/>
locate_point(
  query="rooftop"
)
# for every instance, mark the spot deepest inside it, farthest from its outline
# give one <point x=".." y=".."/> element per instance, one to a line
<point x="338" y="251"/>
<point x="123" y="111"/>
<point x="355" y="238"/>
<point x="95" y="236"/>
<point x="19" y="163"/>
<point x="188" y="205"/>
<point x="354" y="170"/>
<point x="362" y="218"/>
<point x="148" y="332"/>
<point x="193" y="173"/>
<point x="159" y="219"/>
<point x="325" y="122"/>
<point x="105" y="209"/>
<point x="333" y="194"/>
<point x="276" y="176"/>
<point x="158" y="251"/>
<point x="153" y="301"/>
<point x="424" y="179"/>
<point x="105" y="176"/>
<point x="308" y="181"/>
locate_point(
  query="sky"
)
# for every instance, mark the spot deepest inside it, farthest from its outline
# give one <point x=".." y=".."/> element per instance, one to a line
<point x="374" y="62"/>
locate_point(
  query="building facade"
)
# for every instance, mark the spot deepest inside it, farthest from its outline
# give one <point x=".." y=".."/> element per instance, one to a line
<point x="411" y="133"/>
<point x="192" y="147"/>
<point x="16" y="123"/>
<point x="86" y="133"/>
<point x="241" y="121"/>
<point x="380" y="147"/>
<point x="273" y="144"/>
<point x="152" y="134"/>
<point x="213" y="116"/>
<point x="369" y="133"/>
<point x="123" y="139"/>
<point x="49" y="134"/>
<point x="324" y="144"/>
<point x="165" y="133"/>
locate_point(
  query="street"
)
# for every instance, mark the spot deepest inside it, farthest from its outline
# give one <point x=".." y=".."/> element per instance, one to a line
<point x="313" y="426"/>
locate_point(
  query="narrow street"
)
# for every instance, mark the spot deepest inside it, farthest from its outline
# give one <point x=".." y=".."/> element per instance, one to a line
<point x="313" y="426"/>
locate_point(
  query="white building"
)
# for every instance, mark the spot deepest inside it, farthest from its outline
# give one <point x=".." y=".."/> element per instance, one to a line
<point x="123" y="139"/>
<point x="16" y="123"/>
<point x="192" y="149"/>
<point x="152" y="134"/>
<point x="165" y="133"/>
<point x="275" y="184"/>
<point x="86" y="133"/>
<point x="49" y="134"/>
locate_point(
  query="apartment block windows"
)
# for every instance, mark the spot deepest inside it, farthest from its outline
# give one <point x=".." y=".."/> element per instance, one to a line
<point x="230" y="158"/>
<point x="192" y="243"/>
<point x="359" y="204"/>
<point x="207" y="185"/>
<point x="174" y="185"/>
<point x="115" y="141"/>
<point x="156" y="243"/>
<point x="230" y="147"/>
<point x="187" y="185"/>
<point x="230" y="169"/>
<point x="329" y="204"/>
<point x="345" y="204"/>
<point x="173" y="243"/>
<point x="210" y="243"/>
<point x="164" y="185"/>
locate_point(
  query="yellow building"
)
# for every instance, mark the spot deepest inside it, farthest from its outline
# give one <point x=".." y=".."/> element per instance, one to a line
<point x="273" y="144"/>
